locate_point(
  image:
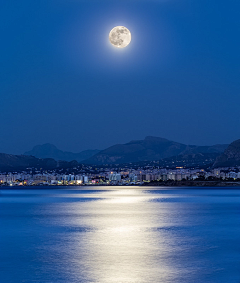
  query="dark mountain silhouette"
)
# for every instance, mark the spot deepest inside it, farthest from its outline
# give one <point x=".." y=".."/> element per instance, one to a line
<point x="230" y="157"/>
<point x="51" y="151"/>
<point x="10" y="162"/>
<point x="149" y="149"/>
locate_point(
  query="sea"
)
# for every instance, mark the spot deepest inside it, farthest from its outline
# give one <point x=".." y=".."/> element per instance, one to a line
<point x="119" y="234"/>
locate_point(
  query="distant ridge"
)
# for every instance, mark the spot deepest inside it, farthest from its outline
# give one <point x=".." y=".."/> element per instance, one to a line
<point x="149" y="149"/>
<point x="48" y="150"/>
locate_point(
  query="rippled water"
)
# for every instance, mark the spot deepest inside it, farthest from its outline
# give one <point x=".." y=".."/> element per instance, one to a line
<point x="118" y="234"/>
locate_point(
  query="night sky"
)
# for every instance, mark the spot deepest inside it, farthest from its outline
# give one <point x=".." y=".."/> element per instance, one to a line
<point x="62" y="82"/>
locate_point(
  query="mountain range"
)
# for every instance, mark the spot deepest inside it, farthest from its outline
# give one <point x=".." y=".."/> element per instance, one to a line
<point x="149" y="149"/>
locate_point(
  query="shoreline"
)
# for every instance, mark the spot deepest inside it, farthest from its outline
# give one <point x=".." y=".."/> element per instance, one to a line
<point x="168" y="183"/>
<point x="151" y="185"/>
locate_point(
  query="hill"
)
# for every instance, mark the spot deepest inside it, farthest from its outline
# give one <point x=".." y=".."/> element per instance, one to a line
<point x="51" y="151"/>
<point x="149" y="149"/>
<point x="10" y="162"/>
<point x="230" y="157"/>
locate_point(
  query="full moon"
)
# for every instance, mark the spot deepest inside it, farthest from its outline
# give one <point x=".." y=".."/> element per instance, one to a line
<point x="120" y="37"/>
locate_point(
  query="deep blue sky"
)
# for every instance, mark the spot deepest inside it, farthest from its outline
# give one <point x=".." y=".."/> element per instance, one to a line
<point x="62" y="82"/>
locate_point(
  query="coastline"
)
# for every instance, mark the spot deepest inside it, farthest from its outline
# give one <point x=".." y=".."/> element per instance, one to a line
<point x="191" y="183"/>
<point x="155" y="184"/>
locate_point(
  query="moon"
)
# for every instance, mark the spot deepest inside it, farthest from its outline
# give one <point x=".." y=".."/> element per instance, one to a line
<point x="120" y="37"/>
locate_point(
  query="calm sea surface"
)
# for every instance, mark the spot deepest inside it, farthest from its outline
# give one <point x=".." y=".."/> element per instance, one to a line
<point x="119" y="234"/>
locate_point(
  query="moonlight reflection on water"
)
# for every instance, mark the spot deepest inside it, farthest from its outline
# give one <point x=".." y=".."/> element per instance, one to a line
<point x="127" y="235"/>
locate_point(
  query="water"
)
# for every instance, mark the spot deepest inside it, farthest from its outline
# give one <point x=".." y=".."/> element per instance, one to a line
<point x="120" y="234"/>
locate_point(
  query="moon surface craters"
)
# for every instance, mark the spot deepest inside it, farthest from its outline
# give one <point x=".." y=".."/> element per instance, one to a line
<point x="120" y="36"/>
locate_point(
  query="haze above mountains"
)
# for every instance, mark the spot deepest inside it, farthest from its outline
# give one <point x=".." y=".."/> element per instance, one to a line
<point x="48" y="150"/>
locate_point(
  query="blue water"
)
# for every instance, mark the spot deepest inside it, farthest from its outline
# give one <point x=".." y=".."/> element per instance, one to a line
<point x="120" y="234"/>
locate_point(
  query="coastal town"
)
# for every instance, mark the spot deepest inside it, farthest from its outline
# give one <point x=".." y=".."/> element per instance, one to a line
<point x="121" y="176"/>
